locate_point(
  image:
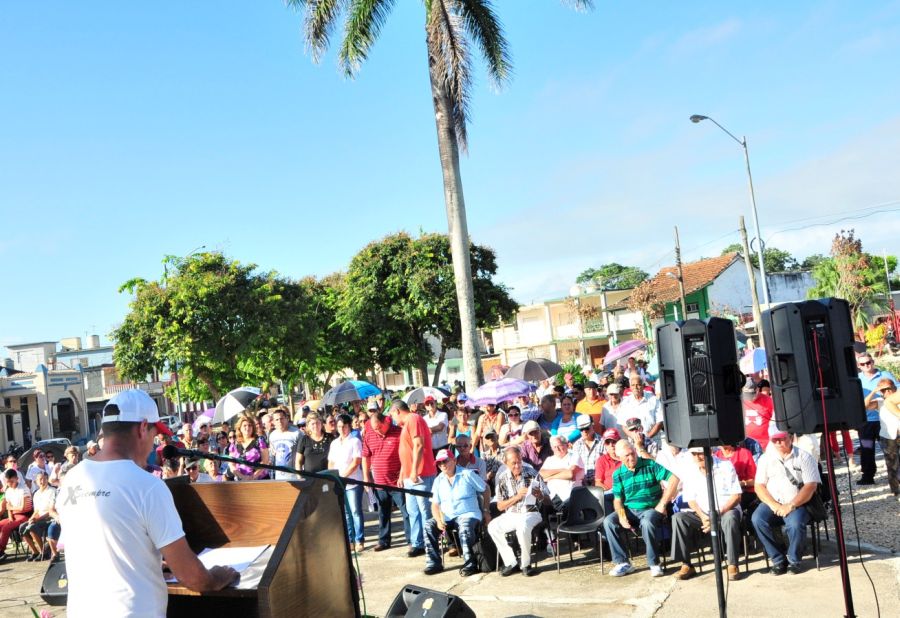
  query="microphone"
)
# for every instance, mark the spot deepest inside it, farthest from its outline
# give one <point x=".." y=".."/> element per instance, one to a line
<point x="170" y="452"/>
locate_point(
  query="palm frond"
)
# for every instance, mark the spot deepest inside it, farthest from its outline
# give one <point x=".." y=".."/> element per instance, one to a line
<point x="448" y="48"/>
<point x="483" y="26"/>
<point x="580" y="5"/>
<point x="364" y="21"/>
<point x="321" y="16"/>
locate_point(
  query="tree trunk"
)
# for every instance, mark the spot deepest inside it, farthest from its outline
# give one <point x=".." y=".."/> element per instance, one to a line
<point x="423" y="369"/>
<point x="440" y="363"/>
<point x="208" y="381"/>
<point x="448" y="147"/>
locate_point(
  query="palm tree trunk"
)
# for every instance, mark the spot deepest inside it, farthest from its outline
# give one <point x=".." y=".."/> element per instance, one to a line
<point x="440" y="363"/>
<point x="448" y="148"/>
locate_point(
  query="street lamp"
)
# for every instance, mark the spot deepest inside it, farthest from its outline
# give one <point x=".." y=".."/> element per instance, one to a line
<point x="696" y="118"/>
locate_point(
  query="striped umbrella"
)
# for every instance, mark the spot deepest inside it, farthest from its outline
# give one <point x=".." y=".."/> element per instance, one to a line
<point x="234" y="403"/>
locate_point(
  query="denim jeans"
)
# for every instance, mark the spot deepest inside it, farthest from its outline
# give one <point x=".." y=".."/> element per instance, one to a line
<point x="465" y="525"/>
<point x="386" y="501"/>
<point x="419" y="510"/>
<point x="353" y="513"/>
<point x="650" y="521"/>
<point x="868" y="436"/>
<point x="765" y="522"/>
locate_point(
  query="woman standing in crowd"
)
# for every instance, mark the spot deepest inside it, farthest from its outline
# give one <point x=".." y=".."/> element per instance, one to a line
<point x="461" y="427"/>
<point x="345" y="456"/>
<point x="313" y="446"/>
<point x="511" y="432"/>
<point x="437" y="423"/>
<point x="565" y="423"/>
<point x="250" y="446"/>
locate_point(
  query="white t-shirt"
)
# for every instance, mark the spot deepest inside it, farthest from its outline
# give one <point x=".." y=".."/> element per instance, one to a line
<point x="283" y="452"/>
<point x="342" y="452"/>
<point x="438" y="439"/>
<point x="890" y="424"/>
<point x="115" y="518"/>
<point x="772" y="471"/>
<point x="725" y="484"/>
<point x="32" y="473"/>
<point x="43" y="500"/>
<point x="560" y="487"/>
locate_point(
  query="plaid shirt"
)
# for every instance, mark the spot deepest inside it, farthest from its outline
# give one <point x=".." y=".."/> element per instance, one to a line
<point x="589" y="455"/>
<point x="508" y="486"/>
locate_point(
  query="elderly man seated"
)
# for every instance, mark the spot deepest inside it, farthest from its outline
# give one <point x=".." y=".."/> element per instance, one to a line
<point x="562" y="471"/>
<point x="456" y="503"/>
<point x="638" y="499"/>
<point x="786" y="479"/>
<point x="687" y="524"/>
<point x="536" y="448"/>
<point x="520" y="493"/>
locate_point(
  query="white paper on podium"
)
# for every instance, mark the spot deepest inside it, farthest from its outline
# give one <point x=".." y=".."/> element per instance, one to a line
<point x="238" y="558"/>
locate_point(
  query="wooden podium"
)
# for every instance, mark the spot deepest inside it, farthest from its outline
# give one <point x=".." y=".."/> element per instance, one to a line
<point x="307" y="570"/>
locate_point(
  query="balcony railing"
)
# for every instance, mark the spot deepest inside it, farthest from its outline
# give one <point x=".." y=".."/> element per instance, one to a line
<point x="153" y="388"/>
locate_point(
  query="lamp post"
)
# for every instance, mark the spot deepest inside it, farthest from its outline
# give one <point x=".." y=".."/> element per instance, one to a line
<point x="696" y="118"/>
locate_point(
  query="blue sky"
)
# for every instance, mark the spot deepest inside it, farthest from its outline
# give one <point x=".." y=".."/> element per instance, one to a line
<point x="134" y="130"/>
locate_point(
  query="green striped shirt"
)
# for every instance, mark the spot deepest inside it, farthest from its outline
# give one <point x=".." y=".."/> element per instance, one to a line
<point x="639" y="489"/>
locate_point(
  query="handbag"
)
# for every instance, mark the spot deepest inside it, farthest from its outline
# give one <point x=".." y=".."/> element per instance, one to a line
<point x="815" y="506"/>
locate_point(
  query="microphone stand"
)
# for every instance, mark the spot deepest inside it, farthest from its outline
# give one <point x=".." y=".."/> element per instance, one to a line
<point x="328" y="476"/>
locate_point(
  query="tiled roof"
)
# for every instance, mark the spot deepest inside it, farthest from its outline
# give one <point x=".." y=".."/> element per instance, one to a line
<point x="697" y="275"/>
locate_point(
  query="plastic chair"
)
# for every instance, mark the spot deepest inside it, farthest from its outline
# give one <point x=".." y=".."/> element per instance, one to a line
<point x="585" y="516"/>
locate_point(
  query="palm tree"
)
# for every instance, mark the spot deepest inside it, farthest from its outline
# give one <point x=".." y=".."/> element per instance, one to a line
<point x="451" y="28"/>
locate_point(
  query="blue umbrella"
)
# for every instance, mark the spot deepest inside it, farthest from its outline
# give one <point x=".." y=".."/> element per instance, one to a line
<point x="351" y="390"/>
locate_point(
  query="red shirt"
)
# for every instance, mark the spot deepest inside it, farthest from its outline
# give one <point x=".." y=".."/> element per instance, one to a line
<point x="603" y="470"/>
<point x="415" y="426"/>
<point x="757" y="415"/>
<point x="383" y="453"/>
<point x="742" y="460"/>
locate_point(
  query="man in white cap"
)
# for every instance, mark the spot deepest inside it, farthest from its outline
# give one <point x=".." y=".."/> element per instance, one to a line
<point x="786" y="479"/>
<point x="459" y="501"/>
<point x="119" y="522"/>
<point x="687" y="526"/>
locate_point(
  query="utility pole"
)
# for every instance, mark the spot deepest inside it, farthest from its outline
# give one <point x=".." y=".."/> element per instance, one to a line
<point x="680" y="275"/>
<point x="751" y="276"/>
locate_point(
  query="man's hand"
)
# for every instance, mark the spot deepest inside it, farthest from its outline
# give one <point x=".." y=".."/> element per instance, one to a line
<point x="521" y="494"/>
<point x="705" y="524"/>
<point x="660" y="508"/>
<point x="485" y="517"/>
<point x="623" y="520"/>
<point x="441" y="524"/>
<point x="415" y="480"/>
<point x="223" y="576"/>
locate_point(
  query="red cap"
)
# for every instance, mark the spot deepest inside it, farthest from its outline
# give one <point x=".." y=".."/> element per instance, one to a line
<point x="430" y="399"/>
<point x="611" y="434"/>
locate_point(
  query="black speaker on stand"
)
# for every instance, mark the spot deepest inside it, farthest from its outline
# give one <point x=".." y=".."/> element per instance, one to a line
<point x="700" y="382"/>
<point x="55" y="587"/>
<point x="800" y="339"/>
<point x="425" y="603"/>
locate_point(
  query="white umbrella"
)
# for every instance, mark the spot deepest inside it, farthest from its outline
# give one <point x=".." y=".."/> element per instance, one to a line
<point x="234" y="403"/>
<point x="418" y="395"/>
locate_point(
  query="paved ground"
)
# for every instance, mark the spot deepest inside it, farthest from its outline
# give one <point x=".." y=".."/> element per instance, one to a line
<point x="579" y="590"/>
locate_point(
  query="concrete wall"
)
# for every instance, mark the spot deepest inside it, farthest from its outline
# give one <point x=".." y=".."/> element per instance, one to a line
<point x="790" y="287"/>
<point x="731" y="290"/>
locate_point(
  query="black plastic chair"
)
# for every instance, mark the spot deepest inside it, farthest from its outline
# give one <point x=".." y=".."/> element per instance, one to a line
<point x="585" y="516"/>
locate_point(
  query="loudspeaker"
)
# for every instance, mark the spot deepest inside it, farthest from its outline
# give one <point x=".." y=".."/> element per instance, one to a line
<point x="425" y="603"/>
<point x="65" y="412"/>
<point x="55" y="587"/>
<point x="802" y="339"/>
<point x="700" y="382"/>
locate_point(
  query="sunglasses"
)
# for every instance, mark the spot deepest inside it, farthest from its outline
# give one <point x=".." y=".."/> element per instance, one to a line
<point x="697" y="454"/>
<point x="609" y="442"/>
<point x="513" y="415"/>
<point x="583" y="429"/>
<point x="463" y="446"/>
<point x="866" y="363"/>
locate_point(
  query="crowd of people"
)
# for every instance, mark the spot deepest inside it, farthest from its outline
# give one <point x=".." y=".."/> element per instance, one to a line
<point x="499" y="474"/>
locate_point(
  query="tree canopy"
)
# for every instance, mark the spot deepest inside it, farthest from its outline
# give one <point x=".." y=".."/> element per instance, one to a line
<point x="613" y="276"/>
<point x="776" y="260"/>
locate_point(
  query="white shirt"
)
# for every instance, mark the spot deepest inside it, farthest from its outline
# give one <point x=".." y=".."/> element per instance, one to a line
<point x="725" y="484"/>
<point x="890" y="423"/>
<point x="560" y="487"/>
<point x="43" y="500"/>
<point x="343" y="451"/>
<point x="115" y="519"/>
<point x="771" y="473"/>
<point x="22" y="482"/>
<point x="283" y="452"/>
<point x="438" y="439"/>
<point x="647" y="409"/>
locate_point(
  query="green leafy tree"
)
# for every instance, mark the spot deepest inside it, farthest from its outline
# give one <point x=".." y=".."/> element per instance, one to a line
<point x="400" y="290"/>
<point x="613" y="276"/>
<point x="452" y="29"/>
<point x="777" y="260"/>
<point x="853" y="275"/>
<point x="221" y="322"/>
<point x="811" y="261"/>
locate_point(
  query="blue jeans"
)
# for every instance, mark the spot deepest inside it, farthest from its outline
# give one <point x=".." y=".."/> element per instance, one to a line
<point x="386" y="500"/>
<point x="419" y="510"/>
<point x="765" y="522"/>
<point x="466" y="526"/>
<point x="650" y="521"/>
<point x="353" y="513"/>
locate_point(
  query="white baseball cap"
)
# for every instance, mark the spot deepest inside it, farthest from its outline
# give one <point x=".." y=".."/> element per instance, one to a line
<point x="134" y="406"/>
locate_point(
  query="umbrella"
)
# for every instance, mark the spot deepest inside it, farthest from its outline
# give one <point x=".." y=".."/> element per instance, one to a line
<point x="313" y="404"/>
<point x="624" y="350"/>
<point x="504" y="389"/>
<point x="57" y="448"/>
<point x="534" y="370"/>
<point x="753" y="361"/>
<point x="234" y="403"/>
<point x="418" y="395"/>
<point x="351" y="390"/>
<point x="205" y="418"/>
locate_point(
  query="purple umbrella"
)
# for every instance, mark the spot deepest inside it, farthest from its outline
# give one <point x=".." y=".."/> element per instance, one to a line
<point x="495" y="391"/>
<point x="624" y="350"/>
<point x="205" y="417"/>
